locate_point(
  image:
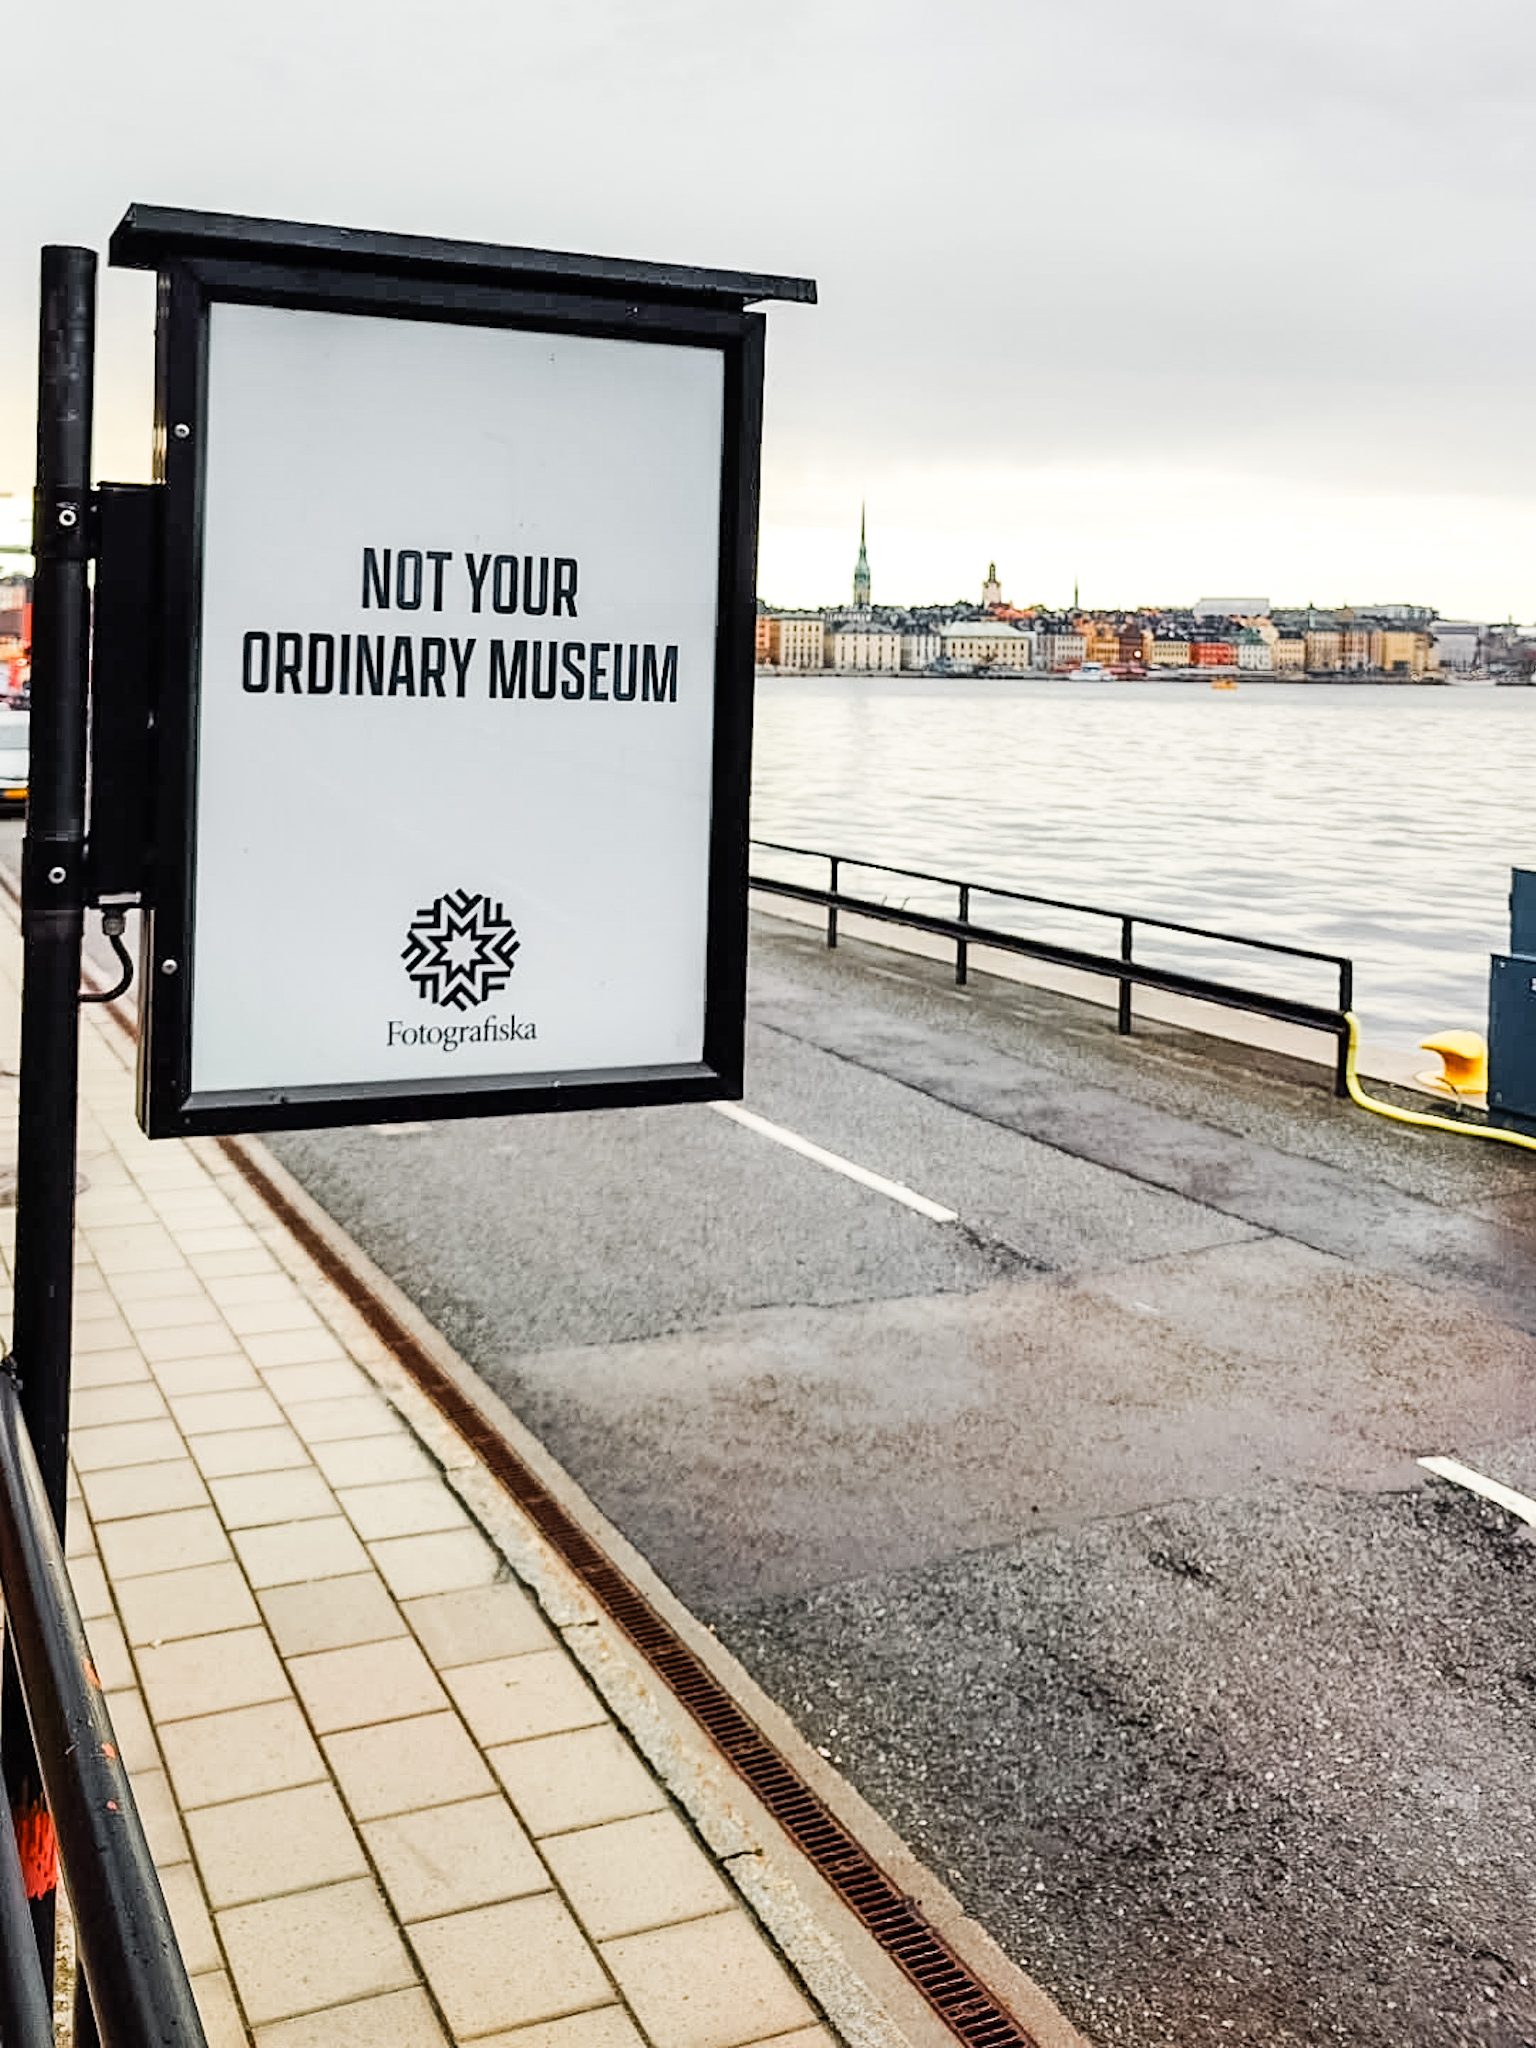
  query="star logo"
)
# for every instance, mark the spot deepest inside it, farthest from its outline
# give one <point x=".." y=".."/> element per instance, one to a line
<point x="459" y="950"/>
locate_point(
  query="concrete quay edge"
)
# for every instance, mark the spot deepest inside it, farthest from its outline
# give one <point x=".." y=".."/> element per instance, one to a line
<point x="864" y="1993"/>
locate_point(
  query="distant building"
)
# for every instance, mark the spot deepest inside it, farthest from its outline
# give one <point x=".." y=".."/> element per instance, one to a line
<point x="1404" y="651"/>
<point x="796" y="640"/>
<point x="1325" y="650"/>
<point x="991" y="590"/>
<point x="1101" y="640"/>
<point x="1290" y="650"/>
<point x="1457" y="644"/>
<point x="1168" y="651"/>
<point x="763" y="640"/>
<point x="1355" y="650"/>
<point x="1133" y="645"/>
<point x="1061" y="647"/>
<point x="866" y="647"/>
<point x="1254" y="652"/>
<point x="1232" y="608"/>
<point x="989" y="643"/>
<point x="861" y="571"/>
<point x="921" y="647"/>
<point x="1212" y="654"/>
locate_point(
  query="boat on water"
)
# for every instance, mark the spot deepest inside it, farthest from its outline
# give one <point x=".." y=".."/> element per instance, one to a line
<point x="1089" y="672"/>
<point x="1223" y="682"/>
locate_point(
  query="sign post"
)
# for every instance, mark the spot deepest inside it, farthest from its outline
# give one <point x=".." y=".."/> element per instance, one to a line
<point x="433" y="643"/>
<point x="454" y="720"/>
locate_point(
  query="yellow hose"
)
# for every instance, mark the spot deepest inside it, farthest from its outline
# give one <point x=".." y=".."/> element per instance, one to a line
<point x="1421" y="1119"/>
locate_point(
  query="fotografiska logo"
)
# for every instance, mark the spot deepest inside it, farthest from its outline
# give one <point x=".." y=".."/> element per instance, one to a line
<point x="460" y="949"/>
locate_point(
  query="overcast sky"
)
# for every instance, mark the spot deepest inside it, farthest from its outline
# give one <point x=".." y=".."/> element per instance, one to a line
<point x="1169" y="296"/>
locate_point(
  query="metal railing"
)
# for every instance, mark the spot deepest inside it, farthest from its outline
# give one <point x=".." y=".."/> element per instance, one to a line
<point x="1121" y="966"/>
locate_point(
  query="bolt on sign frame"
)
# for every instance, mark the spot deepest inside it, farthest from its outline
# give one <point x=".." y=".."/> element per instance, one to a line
<point x="368" y="843"/>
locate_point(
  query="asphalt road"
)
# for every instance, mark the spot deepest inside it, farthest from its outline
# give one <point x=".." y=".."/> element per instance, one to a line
<point x="1084" y="1533"/>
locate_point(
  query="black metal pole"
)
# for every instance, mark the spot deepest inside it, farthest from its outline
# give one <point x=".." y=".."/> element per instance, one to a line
<point x="52" y="920"/>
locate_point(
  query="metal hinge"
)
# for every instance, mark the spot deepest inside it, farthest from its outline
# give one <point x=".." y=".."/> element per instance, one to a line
<point x="64" y="525"/>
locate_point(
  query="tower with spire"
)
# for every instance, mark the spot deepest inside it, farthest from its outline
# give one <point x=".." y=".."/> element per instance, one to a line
<point x="861" y="571"/>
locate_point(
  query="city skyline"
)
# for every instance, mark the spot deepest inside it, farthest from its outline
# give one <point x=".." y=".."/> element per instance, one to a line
<point x="1241" y="313"/>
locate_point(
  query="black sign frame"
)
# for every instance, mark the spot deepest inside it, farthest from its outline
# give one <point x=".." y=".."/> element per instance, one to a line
<point x="203" y="260"/>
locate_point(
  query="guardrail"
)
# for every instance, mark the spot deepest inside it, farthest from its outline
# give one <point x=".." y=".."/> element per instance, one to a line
<point x="1121" y="966"/>
<point x="132" y="1990"/>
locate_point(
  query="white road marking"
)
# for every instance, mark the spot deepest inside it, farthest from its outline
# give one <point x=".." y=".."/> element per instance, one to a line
<point x="398" y="1130"/>
<point x="1502" y="1496"/>
<point x="792" y="1142"/>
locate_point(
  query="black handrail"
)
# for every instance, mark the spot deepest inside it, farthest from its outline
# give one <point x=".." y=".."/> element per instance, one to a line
<point x="139" y="1989"/>
<point x="1121" y="967"/>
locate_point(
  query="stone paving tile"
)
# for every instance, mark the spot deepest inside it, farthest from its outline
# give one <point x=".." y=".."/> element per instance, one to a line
<point x="356" y="1415"/>
<point x="401" y="2019"/>
<point x="205" y="1375"/>
<point x="130" y="1724"/>
<point x="254" y="1499"/>
<point x="448" y="1858"/>
<point x="542" y="1693"/>
<point x="125" y="1443"/>
<point x="327" y="1548"/>
<point x="477" y="1623"/>
<point x="331" y="1614"/>
<point x="386" y="1681"/>
<point x="109" y="1653"/>
<point x="312" y="1949"/>
<point x="201" y="1675"/>
<point x="404" y="1507"/>
<point x="293" y="1347"/>
<point x="363" y="1461"/>
<point x="610" y="2026"/>
<point x="163" y="1543"/>
<point x="706" y="1984"/>
<point x="575" y="1781"/>
<point x="397" y="1766"/>
<point x="189" y="1918"/>
<point x="143" y="1490"/>
<point x="92" y="1595"/>
<point x="161" y="1817"/>
<point x="236" y="1755"/>
<point x="109" y="1369"/>
<point x="414" y="1565"/>
<point x="331" y="1379"/>
<point x="193" y="1340"/>
<point x="636" y="1874"/>
<point x="279" y="1842"/>
<point x="247" y="1450"/>
<point x="134" y="1401"/>
<point x="465" y="1957"/>
<point x="216" y="2007"/>
<point x="206" y="1414"/>
<point x="203" y="1601"/>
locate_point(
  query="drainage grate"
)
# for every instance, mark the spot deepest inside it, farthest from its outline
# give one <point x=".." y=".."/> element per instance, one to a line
<point x="959" y="1997"/>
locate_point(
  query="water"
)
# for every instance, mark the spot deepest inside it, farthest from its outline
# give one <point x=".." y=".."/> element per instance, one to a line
<point x="1377" y="821"/>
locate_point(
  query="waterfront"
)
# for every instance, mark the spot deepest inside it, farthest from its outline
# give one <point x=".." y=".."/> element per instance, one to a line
<point x="1375" y="820"/>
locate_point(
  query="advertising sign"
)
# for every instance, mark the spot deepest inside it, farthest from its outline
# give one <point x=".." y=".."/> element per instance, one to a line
<point x="455" y="720"/>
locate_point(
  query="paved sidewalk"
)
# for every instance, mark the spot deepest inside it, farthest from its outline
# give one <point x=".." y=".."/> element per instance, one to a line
<point x="388" y="1808"/>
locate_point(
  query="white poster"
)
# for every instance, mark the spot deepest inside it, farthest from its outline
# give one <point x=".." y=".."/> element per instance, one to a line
<point x="456" y="702"/>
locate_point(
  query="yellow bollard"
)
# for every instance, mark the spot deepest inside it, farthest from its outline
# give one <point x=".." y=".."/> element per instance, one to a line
<point x="1464" y="1058"/>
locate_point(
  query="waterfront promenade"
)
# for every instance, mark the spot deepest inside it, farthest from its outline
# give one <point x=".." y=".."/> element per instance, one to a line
<point x="1044" y="1442"/>
<point x="1083" y="1531"/>
<point x="404" y="1781"/>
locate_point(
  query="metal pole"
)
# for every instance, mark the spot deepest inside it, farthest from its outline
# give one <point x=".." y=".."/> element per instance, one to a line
<point x="962" y="950"/>
<point x="52" y="920"/>
<point x="834" y="864"/>
<point x="1127" y="938"/>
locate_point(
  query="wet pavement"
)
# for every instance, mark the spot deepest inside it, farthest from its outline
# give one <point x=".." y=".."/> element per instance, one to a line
<point x="1085" y="1533"/>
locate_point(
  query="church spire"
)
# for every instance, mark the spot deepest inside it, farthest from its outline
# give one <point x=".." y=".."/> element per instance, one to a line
<point x="861" y="570"/>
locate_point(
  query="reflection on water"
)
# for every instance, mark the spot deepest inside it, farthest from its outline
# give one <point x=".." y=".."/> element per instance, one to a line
<point x="1377" y="821"/>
